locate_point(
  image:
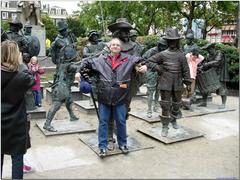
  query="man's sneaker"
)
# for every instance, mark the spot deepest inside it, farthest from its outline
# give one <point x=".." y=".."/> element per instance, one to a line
<point x="102" y="153"/>
<point x="124" y="149"/>
<point x="27" y="169"/>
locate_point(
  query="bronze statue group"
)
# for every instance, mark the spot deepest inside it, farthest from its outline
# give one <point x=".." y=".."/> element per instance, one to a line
<point x="118" y="68"/>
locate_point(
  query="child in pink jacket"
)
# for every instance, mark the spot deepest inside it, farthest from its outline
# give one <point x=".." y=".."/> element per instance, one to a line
<point x="193" y="59"/>
<point x="37" y="71"/>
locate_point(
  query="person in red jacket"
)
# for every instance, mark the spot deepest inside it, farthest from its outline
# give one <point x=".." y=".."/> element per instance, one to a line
<point x="113" y="90"/>
<point x="37" y="71"/>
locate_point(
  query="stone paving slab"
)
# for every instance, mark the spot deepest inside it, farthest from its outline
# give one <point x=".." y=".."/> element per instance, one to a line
<point x="84" y="106"/>
<point x="174" y="135"/>
<point x="91" y="140"/>
<point x="66" y="127"/>
<point x="143" y="116"/>
<point x="200" y="111"/>
<point x="195" y="111"/>
<point x="38" y="113"/>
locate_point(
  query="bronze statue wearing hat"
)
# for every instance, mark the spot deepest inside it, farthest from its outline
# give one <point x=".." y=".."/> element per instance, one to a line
<point x="217" y="62"/>
<point x="63" y="51"/>
<point x="152" y="78"/>
<point x="94" y="48"/>
<point x="190" y="45"/>
<point x="13" y="34"/>
<point x="121" y="30"/>
<point x="173" y="70"/>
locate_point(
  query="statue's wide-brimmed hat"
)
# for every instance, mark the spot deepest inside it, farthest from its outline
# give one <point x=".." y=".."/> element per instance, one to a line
<point x="62" y="25"/>
<point x="93" y="32"/>
<point x="16" y="22"/>
<point x="121" y="23"/>
<point x="209" y="45"/>
<point x="172" y="34"/>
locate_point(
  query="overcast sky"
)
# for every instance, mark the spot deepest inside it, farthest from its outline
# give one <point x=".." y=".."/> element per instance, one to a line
<point x="69" y="5"/>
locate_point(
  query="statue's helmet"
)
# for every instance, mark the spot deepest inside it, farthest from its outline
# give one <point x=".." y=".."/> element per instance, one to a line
<point x="93" y="32"/>
<point x="133" y="32"/>
<point x="62" y="25"/>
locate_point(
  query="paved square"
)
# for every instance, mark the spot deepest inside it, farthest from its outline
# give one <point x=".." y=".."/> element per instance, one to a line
<point x="66" y="127"/>
<point x="91" y="140"/>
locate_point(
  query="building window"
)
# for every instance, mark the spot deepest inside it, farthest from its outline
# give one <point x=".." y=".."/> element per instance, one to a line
<point x="6" y="4"/>
<point x="58" y="11"/>
<point x="64" y="12"/>
<point x="4" y="15"/>
<point x="52" y="12"/>
<point x="14" y="15"/>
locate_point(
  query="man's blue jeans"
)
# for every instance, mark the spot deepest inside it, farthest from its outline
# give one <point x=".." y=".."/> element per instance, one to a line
<point x="119" y="114"/>
<point x="37" y="97"/>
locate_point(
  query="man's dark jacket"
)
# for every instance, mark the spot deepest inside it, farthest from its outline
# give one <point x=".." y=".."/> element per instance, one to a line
<point x="113" y="86"/>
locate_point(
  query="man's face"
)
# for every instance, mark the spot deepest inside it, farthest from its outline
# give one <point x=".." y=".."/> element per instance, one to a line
<point x="115" y="46"/>
<point x="124" y="35"/>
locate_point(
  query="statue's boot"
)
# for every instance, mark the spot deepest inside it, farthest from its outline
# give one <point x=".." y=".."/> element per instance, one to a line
<point x="223" y="105"/>
<point x="47" y="125"/>
<point x="165" y="121"/>
<point x="174" y="123"/>
<point x="70" y="111"/>
<point x="156" y="106"/>
<point x="204" y="103"/>
<point x="149" y="114"/>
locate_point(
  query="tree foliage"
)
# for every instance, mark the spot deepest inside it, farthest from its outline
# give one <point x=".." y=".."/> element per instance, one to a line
<point x="156" y="15"/>
<point x="51" y="29"/>
<point x="76" y="26"/>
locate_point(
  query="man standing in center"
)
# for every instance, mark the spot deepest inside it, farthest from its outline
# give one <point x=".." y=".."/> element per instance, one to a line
<point x="114" y="79"/>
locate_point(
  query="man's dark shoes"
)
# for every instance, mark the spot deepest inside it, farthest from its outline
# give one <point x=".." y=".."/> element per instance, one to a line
<point x="124" y="149"/>
<point x="102" y="153"/>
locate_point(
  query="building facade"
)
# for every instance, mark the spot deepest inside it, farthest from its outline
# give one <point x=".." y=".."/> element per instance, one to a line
<point x="9" y="11"/>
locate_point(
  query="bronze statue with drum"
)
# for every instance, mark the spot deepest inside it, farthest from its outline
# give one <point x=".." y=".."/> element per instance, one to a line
<point x="213" y="75"/>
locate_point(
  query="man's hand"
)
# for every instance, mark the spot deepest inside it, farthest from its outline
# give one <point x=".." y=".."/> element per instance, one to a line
<point x="142" y="69"/>
<point x="78" y="77"/>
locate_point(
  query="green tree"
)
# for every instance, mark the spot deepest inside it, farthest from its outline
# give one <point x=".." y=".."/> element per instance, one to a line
<point x="215" y="13"/>
<point x="51" y="29"/>
<point x="5" y="25"/>
<point x="76" y="26"/>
